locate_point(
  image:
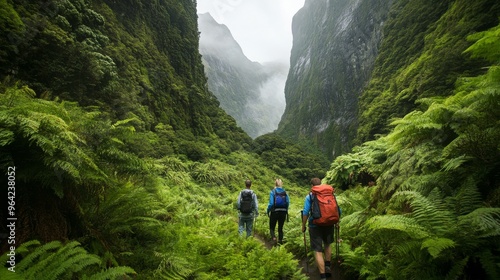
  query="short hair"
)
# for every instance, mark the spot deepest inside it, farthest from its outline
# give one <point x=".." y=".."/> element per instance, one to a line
<point x="315" y="181"/>
<point x="278" y="182"/>
<point x="248" y="183"/>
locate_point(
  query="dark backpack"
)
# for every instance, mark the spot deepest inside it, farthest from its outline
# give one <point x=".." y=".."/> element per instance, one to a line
<point x="280" y="200"/>
<point x="324" y="207"/>
<point x="246" y="202"/>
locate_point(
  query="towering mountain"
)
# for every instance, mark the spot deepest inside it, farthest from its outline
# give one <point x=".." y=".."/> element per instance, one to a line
<point x="248" y="91"/>
<point x="335" y="44"/>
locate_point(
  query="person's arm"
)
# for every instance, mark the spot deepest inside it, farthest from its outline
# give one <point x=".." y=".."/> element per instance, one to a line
<point x="304" y="222"/>
<point x="287" y="201"/>
<point x="305" y="212"/>
<point x="238" y="201"/>
<point x="271" y="202"/>
<point x="256" y="204"/>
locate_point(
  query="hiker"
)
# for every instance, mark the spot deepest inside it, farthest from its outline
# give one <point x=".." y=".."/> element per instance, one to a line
<point x="321" y="227"/>
<point x="277" y="210"/>
<point x="248" y="207"/>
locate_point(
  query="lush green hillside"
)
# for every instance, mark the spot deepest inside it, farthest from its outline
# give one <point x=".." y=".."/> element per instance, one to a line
<point x="120" y="159"/>
<point x="421" y="56"/>
<point x="434" y="212"/>
<point x="118" y="162"/>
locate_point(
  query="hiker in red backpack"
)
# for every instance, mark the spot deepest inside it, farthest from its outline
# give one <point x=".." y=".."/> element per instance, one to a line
<point x="322" y="213"/>
<point x="277" y="210"/>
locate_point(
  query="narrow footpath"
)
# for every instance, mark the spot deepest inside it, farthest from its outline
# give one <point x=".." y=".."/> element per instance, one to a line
<point x="308" y="269"/>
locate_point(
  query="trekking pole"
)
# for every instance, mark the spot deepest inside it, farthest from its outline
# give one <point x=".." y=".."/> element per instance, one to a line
<point x="337" y="242"/>
<point x="305" y="243"/>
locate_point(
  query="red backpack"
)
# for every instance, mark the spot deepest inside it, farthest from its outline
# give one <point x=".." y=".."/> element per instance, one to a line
<point x="324" y="208"/>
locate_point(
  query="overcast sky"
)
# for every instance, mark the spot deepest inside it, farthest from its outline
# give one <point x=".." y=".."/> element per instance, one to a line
<point x="261" y="27"/>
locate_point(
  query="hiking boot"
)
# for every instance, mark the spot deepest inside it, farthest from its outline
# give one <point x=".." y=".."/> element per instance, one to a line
<point x="328" y="271"/>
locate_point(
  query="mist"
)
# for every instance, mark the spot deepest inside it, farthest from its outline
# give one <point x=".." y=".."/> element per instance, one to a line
<point x="271" y="98"/>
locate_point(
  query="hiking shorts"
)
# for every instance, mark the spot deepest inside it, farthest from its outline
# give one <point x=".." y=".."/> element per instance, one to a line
<point x="320" y="236"/>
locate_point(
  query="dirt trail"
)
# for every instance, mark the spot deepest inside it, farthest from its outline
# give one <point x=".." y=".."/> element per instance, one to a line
<point x="309" y="270"/>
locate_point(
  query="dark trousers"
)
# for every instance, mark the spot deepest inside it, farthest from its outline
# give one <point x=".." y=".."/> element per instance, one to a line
<point x="277" y="217"/>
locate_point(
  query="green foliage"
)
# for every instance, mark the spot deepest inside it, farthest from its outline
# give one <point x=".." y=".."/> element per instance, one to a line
<point x="434" y="213"/>
<point x="44" y="130"/>
<point x="362" y="165"/>
<point x="421" y="56"/>
<point x="148" y="177"/>
<point x="289" y="159"/>
<point x="55" y="260"/>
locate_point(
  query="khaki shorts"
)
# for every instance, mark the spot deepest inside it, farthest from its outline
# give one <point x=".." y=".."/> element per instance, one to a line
<point x="320" y="236"/>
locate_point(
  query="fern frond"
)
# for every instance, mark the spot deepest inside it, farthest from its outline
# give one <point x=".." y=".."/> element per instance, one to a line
<point x="407" y="249"/>
<point x="53" y="261"/>
<point x="172" y="267"/>
<point x="33" y="257"/>
<point x="455" y="163"/>
<point x="485" y="222"/>
<point x="403" y="224"/>
<point x="436" y="245"/>
<point x="468" y="198"/>
<point x="426" y="212"/>
<point x="489" y="262"/>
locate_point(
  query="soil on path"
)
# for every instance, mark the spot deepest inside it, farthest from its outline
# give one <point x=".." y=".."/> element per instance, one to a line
<point x="311" y="271"/>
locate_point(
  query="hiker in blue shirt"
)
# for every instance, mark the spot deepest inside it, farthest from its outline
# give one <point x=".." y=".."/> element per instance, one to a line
<point x="321" y="237"/>
<point x="248" y="208"/>
<point x="277" y="210"/>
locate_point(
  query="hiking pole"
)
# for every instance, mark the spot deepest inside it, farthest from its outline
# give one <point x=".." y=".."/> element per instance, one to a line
<point x="305" y="243"/>
<point x="337" y="243"/>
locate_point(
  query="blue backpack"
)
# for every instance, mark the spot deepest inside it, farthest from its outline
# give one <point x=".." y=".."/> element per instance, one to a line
<point x="280" y="200"/>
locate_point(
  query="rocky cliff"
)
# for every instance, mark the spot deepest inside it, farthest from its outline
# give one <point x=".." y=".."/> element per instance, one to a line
<point x="248" y="91"/>
<point x="335" y="44"/>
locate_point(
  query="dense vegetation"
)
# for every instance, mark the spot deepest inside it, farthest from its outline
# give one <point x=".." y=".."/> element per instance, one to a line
<point x="421" y="56"/>
<point x="435" y="211"/>
<point x="121" y="152"/>
<point x="126" y="166"/>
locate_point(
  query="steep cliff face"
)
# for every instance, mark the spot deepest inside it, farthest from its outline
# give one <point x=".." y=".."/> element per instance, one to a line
<point x="133" y="59"/>
<point x="421" y="56"/>
<point x="334" y="48"/>
<point x="247" y="90"/>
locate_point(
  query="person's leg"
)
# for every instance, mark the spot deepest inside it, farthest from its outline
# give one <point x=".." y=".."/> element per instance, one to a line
<point x="272" y="224"/>
<point x="328" y="253"/>
<point x="281" y="222"/>
<point x="316" y="237"/>
<point x="249" y="226"/>
<point x="241" y="226"/>
<point x="320" y="262"/>
<point x="327" y="240"/>
<point x="328" y="258"/>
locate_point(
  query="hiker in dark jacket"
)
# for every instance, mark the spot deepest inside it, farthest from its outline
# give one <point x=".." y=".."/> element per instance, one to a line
<point x="277" y="210"/>
<point x="247" y="209"/>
